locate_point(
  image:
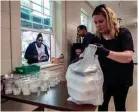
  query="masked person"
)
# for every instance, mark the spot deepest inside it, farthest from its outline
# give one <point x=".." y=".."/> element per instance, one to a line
<point x="37" y="51"/>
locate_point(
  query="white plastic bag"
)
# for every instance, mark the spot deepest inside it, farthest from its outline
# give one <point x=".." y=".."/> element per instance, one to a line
<point x="85" y="79"/>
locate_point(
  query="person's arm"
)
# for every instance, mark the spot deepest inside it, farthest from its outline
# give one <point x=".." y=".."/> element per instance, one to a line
<point x="28" y="53"/>
<point x="46" y="52"/>
<point x="124" y="56"/>
<point x="89" y="39"/>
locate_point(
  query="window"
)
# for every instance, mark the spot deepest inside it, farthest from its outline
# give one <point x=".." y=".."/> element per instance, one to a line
<point x="84" y="18"/>
<point x="36" y="14"/>
<point x="36" y="17"/>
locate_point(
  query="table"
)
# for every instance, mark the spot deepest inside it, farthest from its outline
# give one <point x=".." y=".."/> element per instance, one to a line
<point x="55" y="98"/>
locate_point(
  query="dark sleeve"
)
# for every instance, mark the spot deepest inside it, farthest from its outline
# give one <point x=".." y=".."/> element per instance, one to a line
<point x="127" y="41"/>
<point x="28" y="54"/>
<point x="90" y="39"/>
<point x="46" y="52"/>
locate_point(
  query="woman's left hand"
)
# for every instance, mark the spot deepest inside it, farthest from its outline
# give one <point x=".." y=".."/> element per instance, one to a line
<point x="44" y="57"/>
<point x="101" y="50"/>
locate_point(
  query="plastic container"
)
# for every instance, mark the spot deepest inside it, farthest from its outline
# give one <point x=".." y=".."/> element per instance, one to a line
<point x="8" y="85"/>
<point x="44" y="86"/>
<point x="44" y="81"/>
<point x="26" y="91"/>
<point x="28" y="69"/>
<point x="26" y="87"/>
<point x="8" y="88"/>
<point x="34" y="85"/>
<point x="16" y="91"/>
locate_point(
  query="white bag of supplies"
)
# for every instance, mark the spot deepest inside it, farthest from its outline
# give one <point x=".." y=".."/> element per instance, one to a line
<point x="85" y="79"/>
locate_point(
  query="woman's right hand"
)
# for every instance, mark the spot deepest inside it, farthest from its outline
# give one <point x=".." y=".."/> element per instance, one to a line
<point x="101" y="50"/>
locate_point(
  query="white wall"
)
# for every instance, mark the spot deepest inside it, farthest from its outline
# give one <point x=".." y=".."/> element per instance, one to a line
<point x="68" y="17"/>
<point x="73" y="13"/>
<point x="10" y="36"/>
<point x="133" y="31"/>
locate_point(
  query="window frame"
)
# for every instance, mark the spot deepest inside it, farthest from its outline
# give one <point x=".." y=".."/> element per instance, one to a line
<point x="84" y="14"/>
<point x="52" y="21"/>
<point x="40" y="31"/>
<point x="51" y="16"/>
<point x="89" y="24"/>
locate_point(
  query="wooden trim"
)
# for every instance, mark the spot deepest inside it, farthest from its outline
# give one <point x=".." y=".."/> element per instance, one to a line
<point x="56" y="69"/>
<point x="36" y="30"/>
<point x="39" y="109"/>
<point x="51" y="66"/>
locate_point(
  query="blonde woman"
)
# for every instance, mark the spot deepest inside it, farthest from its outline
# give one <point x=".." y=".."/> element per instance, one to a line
<point x="115" y="50"/>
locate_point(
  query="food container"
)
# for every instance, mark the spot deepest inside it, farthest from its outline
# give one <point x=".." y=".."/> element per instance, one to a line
<point x="34" y="85"/>
<point x="16" y="91"/>
<point x="26" y="87"/>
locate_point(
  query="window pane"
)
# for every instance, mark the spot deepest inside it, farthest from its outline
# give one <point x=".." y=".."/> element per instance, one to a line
<point x="35" y="13"/>
<point x="37" y="26"/>
<point x="47" y="12"/>
<point x="47" y="4"/>
<point x="47" y="21"/>
<point x="37" y="19"/>
<point x="25" y="16"/>
<point x="37" y="1"/>
<point x="28" y="37"/>
<point x="37" y="7"/>
<point x="25" y="10"/>
<point x="25" y="23"/>
<point x="84" y="19"/>
<point x="26" y="3"/>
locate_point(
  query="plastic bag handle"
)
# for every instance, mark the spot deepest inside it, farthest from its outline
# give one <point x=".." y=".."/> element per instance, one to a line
<point x="92" y="45"/>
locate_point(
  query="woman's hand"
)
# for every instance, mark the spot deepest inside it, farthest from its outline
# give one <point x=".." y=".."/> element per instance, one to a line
<point x="101" y="50"/>
<point x="121" y="57"/>
<point x="44" y="57"/>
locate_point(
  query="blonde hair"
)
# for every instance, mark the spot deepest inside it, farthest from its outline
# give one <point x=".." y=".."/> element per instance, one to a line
<point x="112" y="22"/>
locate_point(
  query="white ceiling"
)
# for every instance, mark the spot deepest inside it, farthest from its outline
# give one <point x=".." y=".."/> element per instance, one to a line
<point x="127" y="10"/>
